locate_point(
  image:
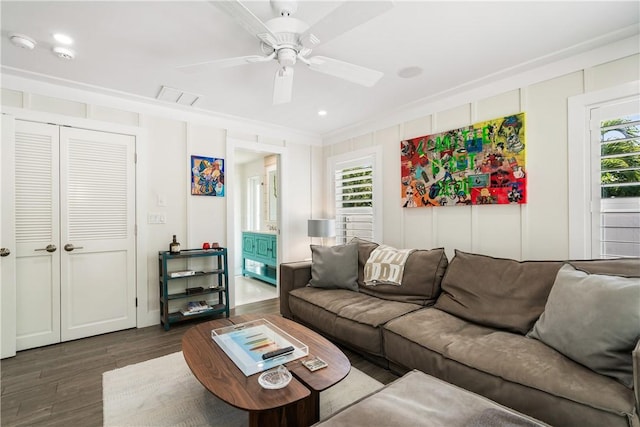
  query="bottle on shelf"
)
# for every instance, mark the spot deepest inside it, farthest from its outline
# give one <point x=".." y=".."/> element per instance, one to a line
<point x="174" y="246"/>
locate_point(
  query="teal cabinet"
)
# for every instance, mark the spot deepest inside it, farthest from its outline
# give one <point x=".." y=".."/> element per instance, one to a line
<point x="260" y="256"/>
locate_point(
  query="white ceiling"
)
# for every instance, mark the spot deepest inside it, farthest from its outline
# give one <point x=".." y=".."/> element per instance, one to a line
<point x="135" y="47"/>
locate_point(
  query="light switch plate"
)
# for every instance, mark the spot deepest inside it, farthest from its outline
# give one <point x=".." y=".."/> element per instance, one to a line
<point x="157" y="218"/>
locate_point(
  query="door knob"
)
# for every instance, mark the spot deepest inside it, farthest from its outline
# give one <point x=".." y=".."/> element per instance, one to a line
<point x="4" y="252"/>
<point x="49" y="248"/>
<point x="69" y="247"/>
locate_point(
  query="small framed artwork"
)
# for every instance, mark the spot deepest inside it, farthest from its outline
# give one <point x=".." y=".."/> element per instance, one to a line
<point x="207" y="176"/>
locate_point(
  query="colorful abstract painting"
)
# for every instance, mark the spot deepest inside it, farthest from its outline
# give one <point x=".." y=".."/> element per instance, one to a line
<point x="207" y="176"/>
<point x="481" y="164"/>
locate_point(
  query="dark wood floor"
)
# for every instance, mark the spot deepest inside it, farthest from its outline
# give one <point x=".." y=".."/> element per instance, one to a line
<point x="61" y="384"/>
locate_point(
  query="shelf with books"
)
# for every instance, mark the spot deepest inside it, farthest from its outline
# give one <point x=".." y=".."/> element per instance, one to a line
<point x="179" y="274"/>
<point x="182" y="286"/>
<point x="177" y="316"/>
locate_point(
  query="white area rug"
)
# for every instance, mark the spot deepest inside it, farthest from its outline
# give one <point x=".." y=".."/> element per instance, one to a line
<point x="164" y="392"/>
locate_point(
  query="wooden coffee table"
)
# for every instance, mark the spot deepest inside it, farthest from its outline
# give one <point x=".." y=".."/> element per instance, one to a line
<point x="297" y="404"/>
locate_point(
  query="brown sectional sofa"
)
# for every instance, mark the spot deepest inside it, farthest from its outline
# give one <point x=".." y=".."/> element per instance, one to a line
<point x="466" y="322"/>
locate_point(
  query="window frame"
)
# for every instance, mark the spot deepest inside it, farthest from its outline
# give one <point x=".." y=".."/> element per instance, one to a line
<point x="581" y="181"/>
<point x="610" y="207"/>
<point x="372" y="155"/>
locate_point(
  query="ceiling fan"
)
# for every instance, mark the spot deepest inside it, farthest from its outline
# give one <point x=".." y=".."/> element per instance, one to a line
<point x="288" y="40"/>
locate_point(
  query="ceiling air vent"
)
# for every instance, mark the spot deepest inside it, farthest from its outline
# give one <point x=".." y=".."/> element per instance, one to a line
<point x="177" y="96"/>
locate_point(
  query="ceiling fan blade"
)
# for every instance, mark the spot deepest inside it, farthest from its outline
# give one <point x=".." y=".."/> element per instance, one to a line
<point x="347" y="16"/>
<point x="247" y="20"/>
<point x="218" y="64"/>
<point x="283" y="86"/>
<point x="345" y="70"/>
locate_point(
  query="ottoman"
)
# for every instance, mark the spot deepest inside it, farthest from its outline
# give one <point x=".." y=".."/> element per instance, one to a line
<point x="418" y="399"/>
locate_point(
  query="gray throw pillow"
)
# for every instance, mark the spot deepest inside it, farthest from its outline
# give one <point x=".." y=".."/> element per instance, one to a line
<point x="593" y="319"/>
<point x="335" y="266"/>
<point x="497" y="292"/>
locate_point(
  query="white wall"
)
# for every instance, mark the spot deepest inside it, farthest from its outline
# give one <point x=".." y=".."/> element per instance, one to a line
<point x="536" y="230"/>
<point x="206" y="215"/>
<point x="295" y="185"/>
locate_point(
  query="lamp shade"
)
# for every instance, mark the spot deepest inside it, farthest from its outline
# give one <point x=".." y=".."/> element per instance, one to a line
<point x="321" y="228"/>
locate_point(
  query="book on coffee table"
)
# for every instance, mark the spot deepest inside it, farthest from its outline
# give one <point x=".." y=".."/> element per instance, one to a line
<point x="258" y="345"/>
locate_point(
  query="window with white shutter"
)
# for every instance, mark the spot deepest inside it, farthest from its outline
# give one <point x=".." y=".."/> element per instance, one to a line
<point x="356" y="198"/>
<point x="604" y="172"/>
<point x="616" y="179"/>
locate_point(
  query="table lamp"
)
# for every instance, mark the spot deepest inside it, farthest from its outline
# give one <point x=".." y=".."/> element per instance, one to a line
<point x="321" y="228"/>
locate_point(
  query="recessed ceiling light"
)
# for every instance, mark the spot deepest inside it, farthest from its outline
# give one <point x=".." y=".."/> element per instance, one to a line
<point x="22" y="41"/>
<point x="63" y="52"/>
<point x="63" y="38"/>
<point x="322" y="112"/>
<point x="409" y="72"/>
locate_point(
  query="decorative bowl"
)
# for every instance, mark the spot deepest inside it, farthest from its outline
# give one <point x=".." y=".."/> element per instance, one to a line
<point x="275" y="378"/>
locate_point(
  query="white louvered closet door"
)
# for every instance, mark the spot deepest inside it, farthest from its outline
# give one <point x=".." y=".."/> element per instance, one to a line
<point x="37" y="227"/>
<point x="75" y="241"/>
<point x="97" y="219"/>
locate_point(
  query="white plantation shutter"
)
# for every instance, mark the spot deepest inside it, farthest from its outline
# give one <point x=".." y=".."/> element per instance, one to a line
<point x="620" y="156"/>
<point x="354" y="200"/>
<point x="616" y="181"/>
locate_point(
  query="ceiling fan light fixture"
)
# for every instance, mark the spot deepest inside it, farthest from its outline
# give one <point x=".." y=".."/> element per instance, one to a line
<point x="22" y="41"/>
<point x="289" y="39"/>
<point x="287" y="57"/>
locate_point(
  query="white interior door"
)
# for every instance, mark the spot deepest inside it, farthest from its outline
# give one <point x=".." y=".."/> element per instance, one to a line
<point x="74" y="233"/>
<point x="7" y="241"/>
<point x="37" y="234"/>
<point x="97" y="179"/>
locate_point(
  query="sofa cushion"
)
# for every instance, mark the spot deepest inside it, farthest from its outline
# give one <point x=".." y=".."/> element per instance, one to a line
<point x="420" y="399"/>
<point x="593" y="319"/>
<point x="497" y="292"/>
<point x="351" y="317"/>
<point x="510" y="357"/>
<point x="423" y="272"/>
<point x="629" y="267"/>
<point x="334" y="266"/>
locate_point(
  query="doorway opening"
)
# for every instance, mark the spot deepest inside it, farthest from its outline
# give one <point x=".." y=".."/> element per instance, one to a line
<point x="256" y="227"/>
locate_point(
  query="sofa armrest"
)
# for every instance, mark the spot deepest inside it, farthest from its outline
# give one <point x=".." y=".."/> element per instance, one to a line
<point x="636" y="375"/>
<point x="292" y="275"/>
